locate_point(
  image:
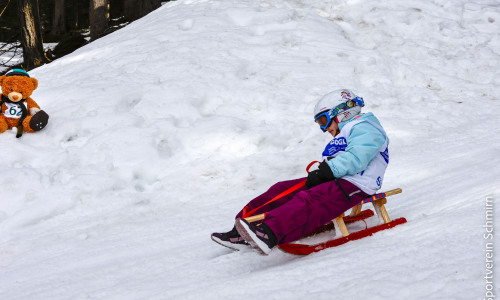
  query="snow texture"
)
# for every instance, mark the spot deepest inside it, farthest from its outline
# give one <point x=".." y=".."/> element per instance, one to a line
<point x="160" y="132"/>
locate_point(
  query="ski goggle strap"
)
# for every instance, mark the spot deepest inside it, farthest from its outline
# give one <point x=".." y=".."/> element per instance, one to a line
<point x="358" y="101"/>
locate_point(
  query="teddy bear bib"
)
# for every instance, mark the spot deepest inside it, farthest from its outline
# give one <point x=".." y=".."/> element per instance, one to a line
<point x="14" y="110"/>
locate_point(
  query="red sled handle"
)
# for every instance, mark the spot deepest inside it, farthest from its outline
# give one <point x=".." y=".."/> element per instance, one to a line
<point x="310" y="165"/>
<point x="247" y="214"/>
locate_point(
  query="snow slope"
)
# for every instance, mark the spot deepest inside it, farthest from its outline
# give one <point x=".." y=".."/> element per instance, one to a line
<point x="160" y="132"/>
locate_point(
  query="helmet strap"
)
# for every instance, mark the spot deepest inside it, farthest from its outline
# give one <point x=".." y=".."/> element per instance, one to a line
<point x="336" y="121"/>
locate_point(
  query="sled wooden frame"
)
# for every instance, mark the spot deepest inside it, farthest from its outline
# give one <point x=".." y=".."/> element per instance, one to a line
<point x="378" y="205"/>
<point x="339" y="223"/>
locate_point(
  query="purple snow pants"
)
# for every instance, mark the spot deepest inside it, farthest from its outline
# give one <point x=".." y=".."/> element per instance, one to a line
<point x="304" y="210"/>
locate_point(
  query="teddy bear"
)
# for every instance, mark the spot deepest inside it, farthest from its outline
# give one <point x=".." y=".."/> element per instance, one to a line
<point x="18" y="109"/>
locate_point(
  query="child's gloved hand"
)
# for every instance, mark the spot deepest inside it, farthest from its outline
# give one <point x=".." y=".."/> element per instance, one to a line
<point x="322" y="174"/>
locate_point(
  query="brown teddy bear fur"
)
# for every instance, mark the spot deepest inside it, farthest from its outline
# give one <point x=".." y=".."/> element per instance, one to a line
<point x="25" y="86"/>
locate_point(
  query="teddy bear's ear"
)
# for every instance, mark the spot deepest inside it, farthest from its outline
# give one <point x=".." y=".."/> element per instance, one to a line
<point x="1" y="79"/>
<point x="35" y="83"/>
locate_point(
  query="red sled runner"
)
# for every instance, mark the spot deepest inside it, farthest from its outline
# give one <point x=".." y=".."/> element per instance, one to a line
<point x="339" y="223"/>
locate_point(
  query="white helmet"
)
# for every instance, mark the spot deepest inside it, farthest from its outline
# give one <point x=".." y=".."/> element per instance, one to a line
<point x="339" y="106"/>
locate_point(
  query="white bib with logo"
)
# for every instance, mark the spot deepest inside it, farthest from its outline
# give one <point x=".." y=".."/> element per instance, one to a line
<point x="13" y="110"/>
<point x="370" y="180"/>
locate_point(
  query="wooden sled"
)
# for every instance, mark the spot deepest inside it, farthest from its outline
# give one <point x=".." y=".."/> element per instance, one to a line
<point x="339" y="223"/>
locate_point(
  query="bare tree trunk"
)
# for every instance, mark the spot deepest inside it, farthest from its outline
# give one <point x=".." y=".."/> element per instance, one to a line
<point x="99" y="17"/>
<point x="76" y="16"/>
<point x="136" y="9"/>
<point x="31" y="37"/>
<point x="59" y="21"/>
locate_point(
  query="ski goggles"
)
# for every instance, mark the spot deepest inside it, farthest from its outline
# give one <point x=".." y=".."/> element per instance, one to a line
<point x="324" y="119"/>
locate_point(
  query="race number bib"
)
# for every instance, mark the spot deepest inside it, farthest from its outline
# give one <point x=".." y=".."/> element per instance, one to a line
<point x="13" y="110"/>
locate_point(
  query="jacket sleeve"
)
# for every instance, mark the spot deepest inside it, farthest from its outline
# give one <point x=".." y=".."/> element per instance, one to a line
<point x="363" y="145"/>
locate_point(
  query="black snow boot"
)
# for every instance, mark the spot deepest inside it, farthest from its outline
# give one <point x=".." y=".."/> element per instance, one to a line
<point x="231" y="239"/>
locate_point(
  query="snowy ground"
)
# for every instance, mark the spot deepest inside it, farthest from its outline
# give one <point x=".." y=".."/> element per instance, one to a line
<point x="160" y="132"/>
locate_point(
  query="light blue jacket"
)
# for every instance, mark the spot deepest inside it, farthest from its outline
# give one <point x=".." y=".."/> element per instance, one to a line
<point x="363" y="145"/>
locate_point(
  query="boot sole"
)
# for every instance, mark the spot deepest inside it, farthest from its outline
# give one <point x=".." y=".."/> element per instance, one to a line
<point x="232" y="246"/>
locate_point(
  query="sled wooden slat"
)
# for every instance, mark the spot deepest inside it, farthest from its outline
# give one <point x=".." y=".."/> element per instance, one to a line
<point x="356" y="210"/>
<point x="381" y="211"/>
<point x="380" y="196"/>
<point x="255" y="218"/>
<point x="339" y="225"/>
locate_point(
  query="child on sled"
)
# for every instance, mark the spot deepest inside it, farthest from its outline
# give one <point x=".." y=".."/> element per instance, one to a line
<point x="353" y="167"/>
